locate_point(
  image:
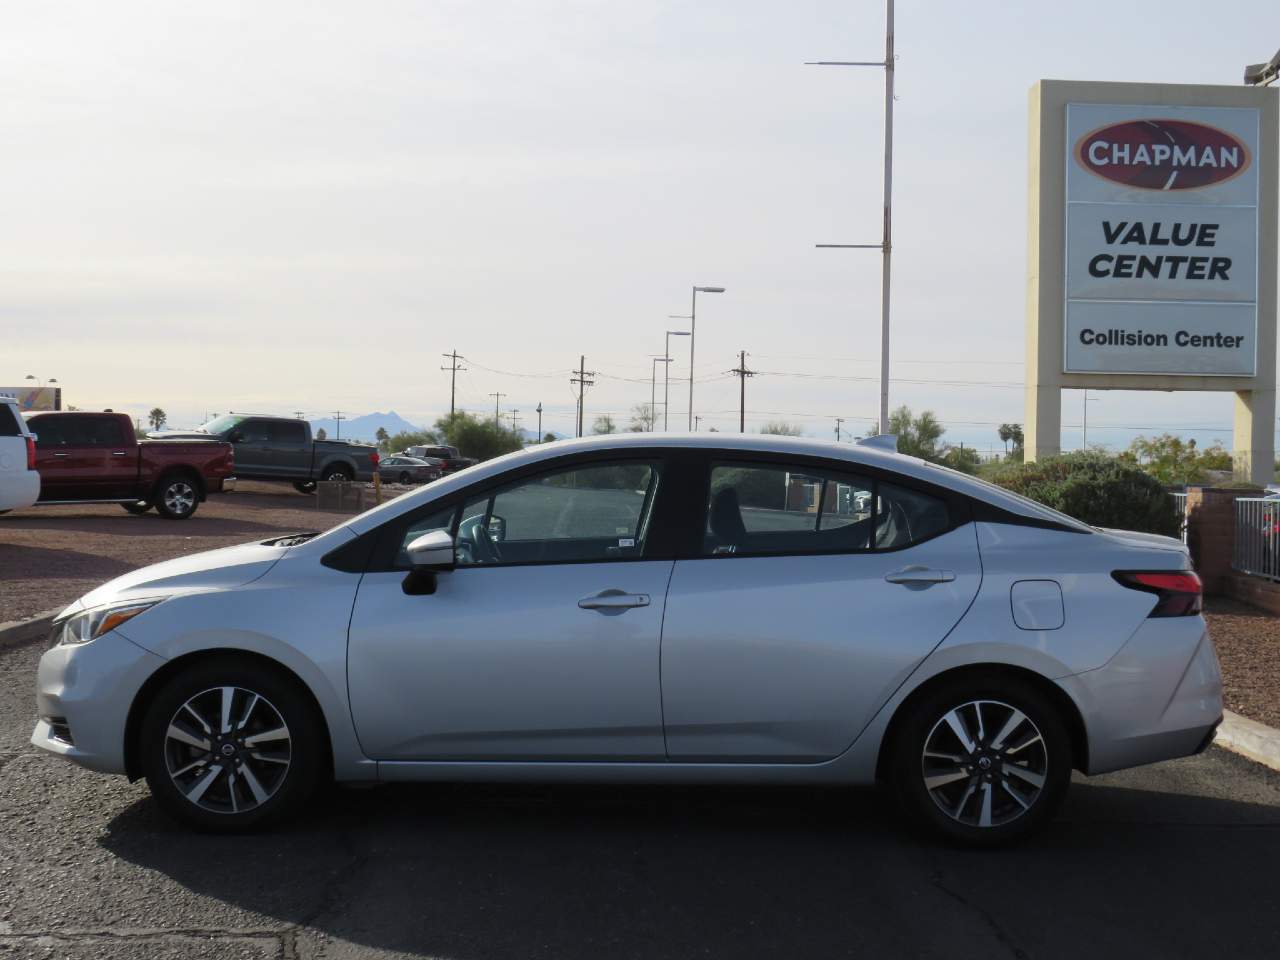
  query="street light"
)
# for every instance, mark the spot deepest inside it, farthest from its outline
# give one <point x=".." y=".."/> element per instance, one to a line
<point x="32" y="376"/>
<point x="666" y="379"/>
<point x="653" y="390"/>
<point x="693" y="332"/>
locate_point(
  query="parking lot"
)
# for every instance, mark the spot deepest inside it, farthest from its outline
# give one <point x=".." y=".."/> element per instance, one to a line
<point x="1173" y="860"/>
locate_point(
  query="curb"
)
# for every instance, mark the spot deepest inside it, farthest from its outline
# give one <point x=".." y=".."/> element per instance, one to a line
<point x="17" y="632"/>
<point x="1249" y="738"/>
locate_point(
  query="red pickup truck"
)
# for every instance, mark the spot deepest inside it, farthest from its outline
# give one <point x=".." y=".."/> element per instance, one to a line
<point x="96" y="458"/>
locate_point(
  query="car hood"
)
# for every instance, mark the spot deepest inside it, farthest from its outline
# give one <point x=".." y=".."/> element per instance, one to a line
<point x="224" y="568"/>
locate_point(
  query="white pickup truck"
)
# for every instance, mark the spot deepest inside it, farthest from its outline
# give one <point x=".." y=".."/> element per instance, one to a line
<point x="19" y="481"/>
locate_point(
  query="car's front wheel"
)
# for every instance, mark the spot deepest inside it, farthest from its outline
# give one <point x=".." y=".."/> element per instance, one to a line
<point x="230" y="744"/>
<point x="983" y="762"/>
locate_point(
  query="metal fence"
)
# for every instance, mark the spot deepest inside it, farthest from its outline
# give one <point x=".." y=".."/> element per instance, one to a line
<point x="1257" y="537"/>
<point x="1181" y="500"/>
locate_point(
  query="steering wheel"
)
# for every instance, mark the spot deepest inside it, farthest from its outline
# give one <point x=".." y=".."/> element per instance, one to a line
<point x="475" y="535"/>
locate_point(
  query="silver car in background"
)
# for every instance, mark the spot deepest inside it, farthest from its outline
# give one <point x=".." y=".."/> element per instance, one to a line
<point x="399" y="468"/>
<point x="650" y="608"/>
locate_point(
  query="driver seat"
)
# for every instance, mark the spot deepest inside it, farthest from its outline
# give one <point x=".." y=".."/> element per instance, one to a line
<point x="726" y="518"/>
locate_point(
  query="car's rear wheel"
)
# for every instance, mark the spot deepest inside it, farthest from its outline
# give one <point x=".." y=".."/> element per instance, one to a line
<point x="982" y="761"/>
<point x="138" y="508"/>
<point x="405" y="478"/>
<point x="229" y="745"/>
<point x="176" y="497"/>
<point x="337" y="475"/>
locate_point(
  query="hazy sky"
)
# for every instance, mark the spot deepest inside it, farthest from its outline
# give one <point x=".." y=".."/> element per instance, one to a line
<point x="283" y="206"/>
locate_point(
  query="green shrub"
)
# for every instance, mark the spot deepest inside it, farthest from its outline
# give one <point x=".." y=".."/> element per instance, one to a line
<point x="1098" y="489"/>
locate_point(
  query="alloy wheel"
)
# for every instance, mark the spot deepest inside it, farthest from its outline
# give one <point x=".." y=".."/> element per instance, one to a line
<point x="227" y="750"/>
<point x="180" y="497"/>
<point x="985" y="763"/>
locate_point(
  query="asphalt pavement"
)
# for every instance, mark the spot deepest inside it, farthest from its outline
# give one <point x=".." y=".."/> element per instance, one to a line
<point x="1174" y="860"/>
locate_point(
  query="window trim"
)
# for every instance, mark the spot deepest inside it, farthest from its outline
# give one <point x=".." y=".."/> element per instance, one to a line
<point x="959" y="507"/>
<point x="386" y="545"/>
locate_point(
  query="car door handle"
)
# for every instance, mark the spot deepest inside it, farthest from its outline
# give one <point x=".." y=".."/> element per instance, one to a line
<point x="614" y="600"/>
<point x="119" y="453"/>
<point x="919" y="575"/>
<point x="62" y="454"/>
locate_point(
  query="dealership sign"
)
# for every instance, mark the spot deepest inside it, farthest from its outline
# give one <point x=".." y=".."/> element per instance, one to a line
<point x="1161" y="240"/>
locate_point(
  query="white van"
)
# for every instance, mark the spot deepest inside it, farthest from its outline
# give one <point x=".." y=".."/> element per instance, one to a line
<point x="19" y="482"/>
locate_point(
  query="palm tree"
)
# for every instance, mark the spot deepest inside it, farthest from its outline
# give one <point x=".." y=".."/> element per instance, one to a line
<point x="156" y="418"/>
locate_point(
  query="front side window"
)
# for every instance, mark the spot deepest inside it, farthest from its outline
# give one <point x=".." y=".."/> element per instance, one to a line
<point x="254" y="431"/>
<point x="771" y="509"/>
<point x="583" y="514"/>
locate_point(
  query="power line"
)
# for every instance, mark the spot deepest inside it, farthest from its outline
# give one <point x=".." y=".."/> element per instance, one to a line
<point x="741" y="372"/>
<point x="582" y="382"/>
<point x="453" y="369"/>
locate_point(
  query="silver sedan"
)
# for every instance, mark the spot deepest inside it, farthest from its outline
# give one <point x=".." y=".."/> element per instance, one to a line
<point x="650" y="608"/>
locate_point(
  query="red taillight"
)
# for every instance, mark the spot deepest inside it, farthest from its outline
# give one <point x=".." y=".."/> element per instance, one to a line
<point x="31" y="453"/>
<point x="1180" y="592"/>
<point x="375" y="458"/>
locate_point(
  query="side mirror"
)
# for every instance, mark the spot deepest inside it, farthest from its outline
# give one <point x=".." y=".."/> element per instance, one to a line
<point x="432" y="551"/>
<point x="235" y="436"/>
<point x="430" y="554"/>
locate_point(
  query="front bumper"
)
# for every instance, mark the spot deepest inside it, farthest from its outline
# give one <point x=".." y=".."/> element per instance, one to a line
<point x="226" y="485"/>
<point x="1159" y="698"/>
<point x="83" y="696"/>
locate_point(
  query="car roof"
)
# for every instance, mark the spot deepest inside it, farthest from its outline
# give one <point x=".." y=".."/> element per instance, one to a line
<point x="765" y="444"/>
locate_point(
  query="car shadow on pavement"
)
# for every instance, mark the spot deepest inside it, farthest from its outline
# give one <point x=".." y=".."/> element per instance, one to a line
<point x="490" y="871"/>
<point x="22" y="562"/>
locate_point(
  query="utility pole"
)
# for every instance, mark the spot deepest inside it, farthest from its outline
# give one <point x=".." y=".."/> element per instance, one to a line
<point x="453" y="369"/>
<point x="741" y="372"/>
<point x="539" y="421"/>
<point x="839" y="421"/>
<point x="582" y="382"/>
<point x="696" y="420"/>
<point x="514" y="417"/>
<point x="337" y="423"/>
<point x="497" y="398"/>
<point x="298" y="414"/>
<point x="886" y="244"/>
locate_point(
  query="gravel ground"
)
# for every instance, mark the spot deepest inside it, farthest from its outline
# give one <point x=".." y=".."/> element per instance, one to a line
<point x="1248" y="644"/>
<point x="51" y="555"/>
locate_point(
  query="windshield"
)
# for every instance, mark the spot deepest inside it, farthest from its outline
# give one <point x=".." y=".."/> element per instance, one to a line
<point x="221" y="424"/>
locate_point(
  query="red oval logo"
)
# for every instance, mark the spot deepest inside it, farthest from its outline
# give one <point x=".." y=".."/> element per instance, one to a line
<point x="1162" y="154"/>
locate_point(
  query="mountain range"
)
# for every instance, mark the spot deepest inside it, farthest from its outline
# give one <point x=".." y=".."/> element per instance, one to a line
<point x="364" y="427"/>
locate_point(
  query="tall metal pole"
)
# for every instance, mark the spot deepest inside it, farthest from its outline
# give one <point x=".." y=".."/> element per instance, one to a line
<point x="693" y="336"/>
<point x="886" y="242"/>
<point x="888" y="217"/>
<point x="539" y="421"/>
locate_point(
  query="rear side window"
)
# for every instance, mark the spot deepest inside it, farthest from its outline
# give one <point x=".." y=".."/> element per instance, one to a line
<point x="772" y="509"/>
<point x="284" y="432"/>
<point x="78" y="431"/>
<point x="9" y="426"/>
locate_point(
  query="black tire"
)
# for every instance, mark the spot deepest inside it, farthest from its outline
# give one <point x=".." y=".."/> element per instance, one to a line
<point x="137" y="509"/>
<point x="305" y="486"/>
<point x="220" y="806"/>
<point x="1038" y="748"/>
<point x="405" y="478"/>
<point x="177" y="497"/>
<point x="338" y="474"/>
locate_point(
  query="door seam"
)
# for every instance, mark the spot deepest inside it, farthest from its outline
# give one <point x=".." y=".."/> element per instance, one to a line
<point x="662" y="631"/>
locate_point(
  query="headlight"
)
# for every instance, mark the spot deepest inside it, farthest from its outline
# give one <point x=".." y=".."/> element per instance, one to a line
<point x="91" y="624"/>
